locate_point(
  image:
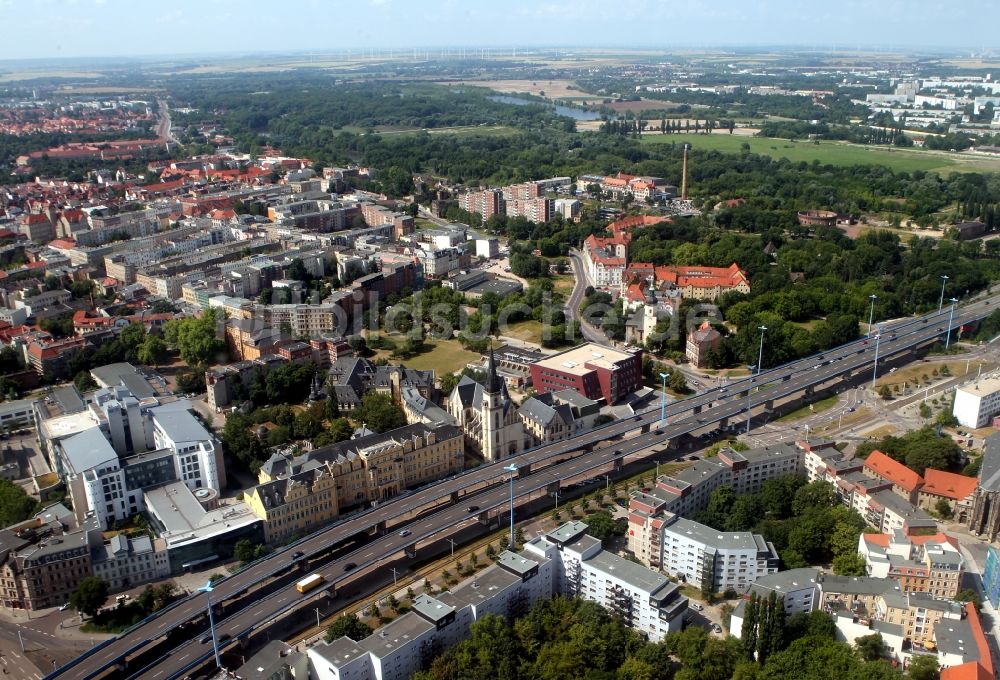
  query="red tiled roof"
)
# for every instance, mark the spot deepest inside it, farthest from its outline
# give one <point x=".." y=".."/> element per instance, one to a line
<point x="982" y="669"/>
<point x="63" y="243"/>
<point x="895" y="472"/>
<point x="948" y="484"/>
<point x="972" y="670"/>
<point x="876" y="539"/>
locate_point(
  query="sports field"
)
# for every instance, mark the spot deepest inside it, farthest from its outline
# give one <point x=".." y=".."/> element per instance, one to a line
<point x="834" y="153"/>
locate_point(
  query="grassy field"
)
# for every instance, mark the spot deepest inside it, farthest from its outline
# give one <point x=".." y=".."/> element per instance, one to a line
<point x="835" y="153"/>
<point x="809" y="409"/>
<point x="564" y="284"/>
<point x="914" y="373"/>
<point x="528" y="331"/>
<point x="458" y="131"/>
<point x="445" y="356"/>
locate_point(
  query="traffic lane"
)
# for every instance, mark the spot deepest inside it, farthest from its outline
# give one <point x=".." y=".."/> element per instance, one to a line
<point x="16" y="665"/>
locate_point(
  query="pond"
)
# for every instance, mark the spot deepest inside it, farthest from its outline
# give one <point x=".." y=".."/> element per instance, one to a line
<point x="568" y="111"/>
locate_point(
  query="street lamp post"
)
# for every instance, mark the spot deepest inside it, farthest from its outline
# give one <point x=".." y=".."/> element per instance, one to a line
<point x="452" y="546"/>
<point x="207" y="589"/>
<point x="944" y="280"/>
<point x="749" y="389"/>
<point x="951" y="319"/>
<point x="878" y="337"/>
<point x="512" y="469"/>
<point x="663" y="400"/>
<point x="871" y="314"/>
<point x="760" y="356"/>
<point x="317" y="617"/>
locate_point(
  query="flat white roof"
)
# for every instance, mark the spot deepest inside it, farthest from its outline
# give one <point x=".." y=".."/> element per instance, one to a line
<point x="983" y="387"/>
<point x="574" y="360"/>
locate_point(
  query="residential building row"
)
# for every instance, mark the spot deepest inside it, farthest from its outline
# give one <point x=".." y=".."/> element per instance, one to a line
<point x="44" y="558"/>
<point x="910" y="624"/>
<point x="565" y="561"/>
<point x="297" y="494"/>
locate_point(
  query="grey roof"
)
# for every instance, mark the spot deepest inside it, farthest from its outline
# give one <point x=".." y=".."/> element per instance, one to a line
<point x="87" y="449"/>
<point x="339" y="652"/>
<point x="956" y="637"/>
<point x="517" y="564"/>
<point x="271" y="661"/>
<point x="789" y="581"/>
<point x="518" y="355"/>
<point x="179" y="424"/>
<point x="500" y="287"/>
<point x="544" y="414"/>
<point x="913" y="515"/>
<point x="68" y="398"/>
<point x="425" y="406"/>
<point x="351" y="447"/>
<point x="15" y="406"/>
<point x="398" y="633"/>
<point x="566" y="533"/>
<point x="126" y="375"/>
<point x="989" y="472"/>
<point x="732" y="540"/>
<point x="636" y="575"/>
<point x="857" y="585"/>
<point x="575" y="399"/>
<point x="431" y="608"/>
<point x="175" y="505"/>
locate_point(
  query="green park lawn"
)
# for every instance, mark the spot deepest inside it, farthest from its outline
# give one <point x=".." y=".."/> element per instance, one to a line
<point x="830" y="152"/>
<point x="444" y="356"/>
<point x="804" y="411"/>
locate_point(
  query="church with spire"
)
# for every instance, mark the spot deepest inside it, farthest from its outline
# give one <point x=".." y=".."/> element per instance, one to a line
<point x="487" y="416"/>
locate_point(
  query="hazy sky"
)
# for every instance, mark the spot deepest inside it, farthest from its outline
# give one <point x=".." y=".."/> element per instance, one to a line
<point x="34" y="29"/>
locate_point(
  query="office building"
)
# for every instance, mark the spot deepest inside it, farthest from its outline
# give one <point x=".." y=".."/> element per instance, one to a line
<point x="595" y="371"/>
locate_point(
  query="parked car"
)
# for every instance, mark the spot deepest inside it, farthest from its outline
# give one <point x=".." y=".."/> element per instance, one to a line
<point x="695" y="606"/>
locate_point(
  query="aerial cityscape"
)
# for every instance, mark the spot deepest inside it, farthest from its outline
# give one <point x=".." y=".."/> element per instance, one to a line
<point x="622" y="347"/>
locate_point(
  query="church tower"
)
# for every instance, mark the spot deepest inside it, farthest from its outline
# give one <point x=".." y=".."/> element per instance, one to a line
<point x="492" y="416"/>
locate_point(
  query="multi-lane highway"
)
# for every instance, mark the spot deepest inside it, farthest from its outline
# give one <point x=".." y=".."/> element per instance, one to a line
<point x="588" y="453"/>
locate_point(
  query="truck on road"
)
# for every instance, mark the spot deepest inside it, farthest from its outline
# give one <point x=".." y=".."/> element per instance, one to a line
<point x="308" y="583"/>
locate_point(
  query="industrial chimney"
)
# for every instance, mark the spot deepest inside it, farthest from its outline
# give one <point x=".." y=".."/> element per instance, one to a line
<point x="684" y="175"/>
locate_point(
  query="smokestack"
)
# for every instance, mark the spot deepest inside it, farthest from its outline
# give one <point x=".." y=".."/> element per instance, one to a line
<point x="684" y="175"/>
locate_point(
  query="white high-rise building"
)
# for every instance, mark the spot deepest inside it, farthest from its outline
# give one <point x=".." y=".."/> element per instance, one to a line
<point x="977" y="403"/>
<point x="731" y="560"/>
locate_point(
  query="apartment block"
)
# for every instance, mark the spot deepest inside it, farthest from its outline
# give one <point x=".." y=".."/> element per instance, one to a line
<point x="711" y="559"/>
<point x="688" y="492"/>
<point x="927" y="564"/>
<point x="564" y="561"/>
<point x="976" y="404"/>
<point x="487" y="203"/>
<point x="297" y="494"/>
